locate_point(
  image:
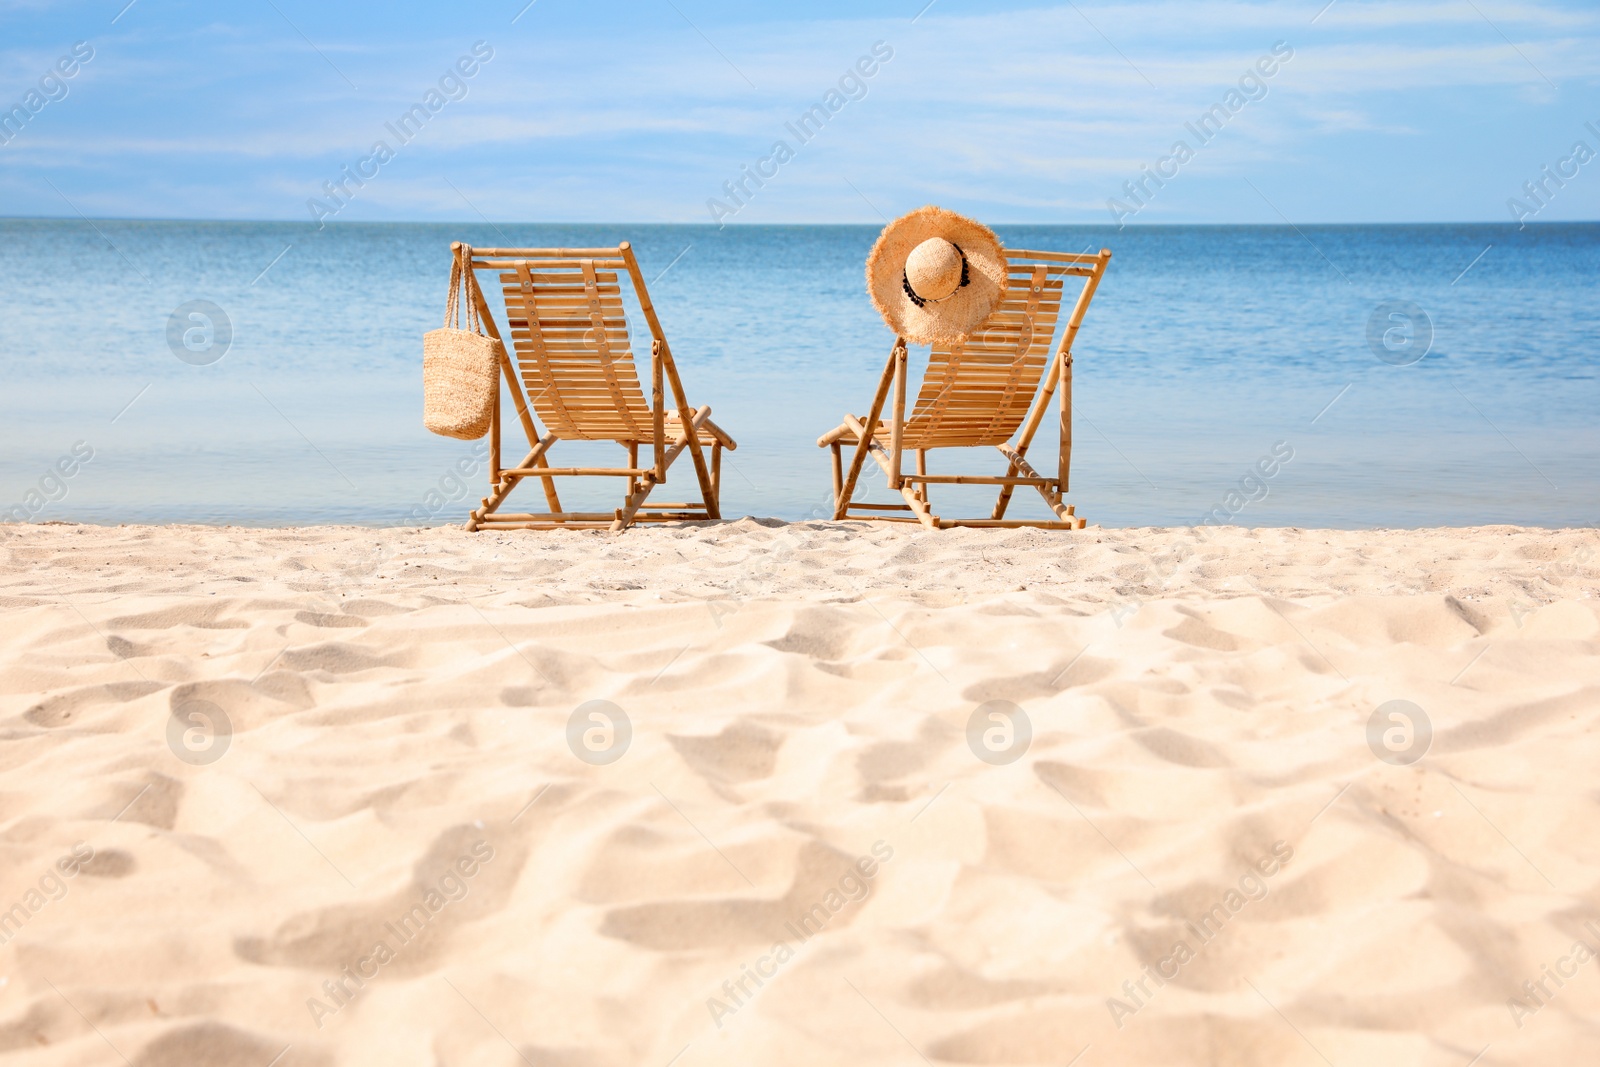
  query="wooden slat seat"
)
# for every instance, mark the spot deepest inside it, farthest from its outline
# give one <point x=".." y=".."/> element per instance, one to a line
<point x="576" y="361"/>
<point x="979" y="392"/>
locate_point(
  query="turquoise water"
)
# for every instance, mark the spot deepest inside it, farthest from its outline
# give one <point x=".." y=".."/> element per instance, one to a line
<point x="1207" y="349"/>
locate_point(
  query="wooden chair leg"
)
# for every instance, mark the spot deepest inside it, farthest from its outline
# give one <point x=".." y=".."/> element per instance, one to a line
<point x="883" y="457"/>
<point x="702" y="470"/>
<point x="502" y="488"/>
<point x="1004" y="502"/>
<point x="687" y="435"/>
<point x="920" y="508"/>
<point x="864" y="439"/>
<point x="716" y="478"/>
<point x="1064" y="512"/>
<point x="1051" y="493"/>
<point x="630" y="507"/>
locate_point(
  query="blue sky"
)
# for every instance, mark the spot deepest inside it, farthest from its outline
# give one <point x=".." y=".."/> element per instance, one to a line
<point x="1412" y="110"/>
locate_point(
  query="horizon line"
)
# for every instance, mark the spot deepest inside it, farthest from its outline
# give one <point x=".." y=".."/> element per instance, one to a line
<point x="773" y="225"/>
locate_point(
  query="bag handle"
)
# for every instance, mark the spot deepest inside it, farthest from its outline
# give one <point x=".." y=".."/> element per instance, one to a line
<point x="462" y="282"/>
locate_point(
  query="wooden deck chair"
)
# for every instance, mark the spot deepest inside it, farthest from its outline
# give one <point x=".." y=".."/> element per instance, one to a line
<point x="977" y="394"/>
<point x="570" y="359"/>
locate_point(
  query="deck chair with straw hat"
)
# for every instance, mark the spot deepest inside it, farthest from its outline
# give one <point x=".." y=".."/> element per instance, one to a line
<point x="570" y="360"/>
<point x="989" y="314"/>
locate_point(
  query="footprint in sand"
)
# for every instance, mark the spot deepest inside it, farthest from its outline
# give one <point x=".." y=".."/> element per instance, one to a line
<point x="1060" y="676"/>
<point x="122" y="648"/>
<point x="203" y="616"/>
<point x="69" y="708"/>
<point x="338" y="658"/>
<point x="248" y="705"/>
<point x="330" y="939"/>
<point x="1199" y="633"/>
<point x="819" y="633"/>
<point x="683" y="925"/>
<point x="109" y="863"/>
<point x="154" y="802"/>
<point x="371" y="609"/>
<point x="954" y="988"/>
<point x="742" y="752"/>
<point x="217" y="1045"/>
<point x="888" y="761"/>
<point x="330" y="622"/>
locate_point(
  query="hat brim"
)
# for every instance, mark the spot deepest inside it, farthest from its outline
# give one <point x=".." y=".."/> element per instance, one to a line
<point x="953" y="318"/>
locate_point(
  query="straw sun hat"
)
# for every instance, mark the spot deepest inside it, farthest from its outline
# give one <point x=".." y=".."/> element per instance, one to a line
<point x="934" y="275"/>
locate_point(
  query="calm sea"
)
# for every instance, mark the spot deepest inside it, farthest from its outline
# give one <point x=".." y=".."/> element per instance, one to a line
<point x="1419" y="375"/>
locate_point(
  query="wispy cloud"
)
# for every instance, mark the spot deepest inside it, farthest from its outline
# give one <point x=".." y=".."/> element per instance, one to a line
<point x="624" y="121"/>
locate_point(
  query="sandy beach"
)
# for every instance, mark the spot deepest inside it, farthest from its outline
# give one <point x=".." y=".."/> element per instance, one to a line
<point x="1171" y="637"/>
<point x="335" y="796"/>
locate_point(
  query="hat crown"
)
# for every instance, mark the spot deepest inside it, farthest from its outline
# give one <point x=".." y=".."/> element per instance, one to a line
<point x="933" y="269"/>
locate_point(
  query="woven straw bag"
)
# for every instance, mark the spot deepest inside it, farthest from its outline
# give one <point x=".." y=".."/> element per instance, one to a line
<point x="460" y="367"/>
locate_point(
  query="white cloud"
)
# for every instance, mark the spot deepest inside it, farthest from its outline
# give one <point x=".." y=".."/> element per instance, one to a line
<point x="1028" y="108"/>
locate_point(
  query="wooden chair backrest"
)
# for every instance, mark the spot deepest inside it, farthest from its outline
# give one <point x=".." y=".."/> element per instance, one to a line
<point x="978" y="392"/>
<point x="570" y="334"/>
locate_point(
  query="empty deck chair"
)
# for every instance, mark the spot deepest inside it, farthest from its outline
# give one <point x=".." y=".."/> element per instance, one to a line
<point x="569" y="358"/>
<point x="978" y="394"/>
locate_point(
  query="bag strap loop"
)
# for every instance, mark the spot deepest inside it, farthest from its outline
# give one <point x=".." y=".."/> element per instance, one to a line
<point x="463" y="282"/>
<point x="452" y="302"/>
